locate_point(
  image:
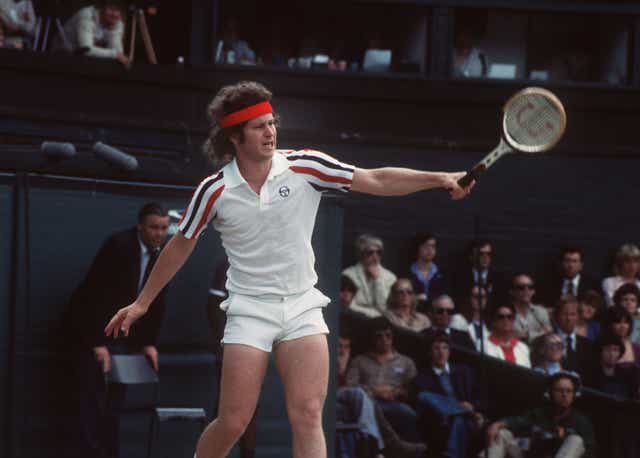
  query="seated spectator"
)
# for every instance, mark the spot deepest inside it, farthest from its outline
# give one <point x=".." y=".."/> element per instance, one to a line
<point x="348" y="290"/>
<point x="556" y="429"/>
<point x="618" y="321"/>
<point x="372" y="280"/>
<point x="531" y="320"/>
<point x="401" y="308"/>
<point x="589" y="306"/>
<point x="610" y="377"/>
<point x="627" y="297"/>
<point x="479" y="271"/>
<point x="440" y="312"/>
<point x="569" y="278"/>
<point x="472" y="318"/>
<point x="386" y="374"/>
<point x="548" y="349"/>
<point x="18" y="23"/>
<point x="447" y="395"/>
<point x="626" y="269"/>
<point x="427" y="278"/>
<point x="469" y="61"/>
<point x="502" y="342"/>
<point x="231" y="49"/>
<point x="355" y="405"/>
<point x="578" y="350"/>
<point x="98" y="31"/>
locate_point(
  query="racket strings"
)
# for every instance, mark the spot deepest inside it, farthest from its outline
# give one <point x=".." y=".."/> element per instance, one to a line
<point x="533" y="120"/>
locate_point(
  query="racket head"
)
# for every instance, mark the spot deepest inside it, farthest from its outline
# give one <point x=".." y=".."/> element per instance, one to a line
<point x="534" y="120"/>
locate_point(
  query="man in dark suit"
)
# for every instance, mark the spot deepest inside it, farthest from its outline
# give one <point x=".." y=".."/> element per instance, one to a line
<point x="115" y="277"/>
<point x="446" y="395"/>
<point x="578" y="351"/>
<point x="481" y="272"/>
<point x="569" y="279"/>
<point x="440" y="312"/>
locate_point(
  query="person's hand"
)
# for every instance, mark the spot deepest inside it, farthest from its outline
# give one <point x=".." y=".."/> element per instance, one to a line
<point x="122" y="321"/>
<point x="467" y="406"/>
<point x="103" y="357"/>
<point x="385" y="392"/>
<point x="450" y="183"/>
<point x="124" y="60"/>
<point x="151" y="352"/>
<point x="372" y="270"/>
<point x="493" y="430"/>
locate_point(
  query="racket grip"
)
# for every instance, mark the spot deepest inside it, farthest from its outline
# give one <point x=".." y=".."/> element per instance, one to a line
<point x="471" y="175"/>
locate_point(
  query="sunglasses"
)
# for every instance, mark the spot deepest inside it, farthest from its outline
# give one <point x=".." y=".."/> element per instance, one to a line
<point x="504" y="316"/>
<point x="442" y="311"/>
<point x="403" y="291"/>
<point x="523" y="286"/>
<point x="372" y="252"/>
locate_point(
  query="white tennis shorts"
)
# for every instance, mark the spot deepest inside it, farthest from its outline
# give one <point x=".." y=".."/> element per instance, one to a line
<point x="262" y="321"/>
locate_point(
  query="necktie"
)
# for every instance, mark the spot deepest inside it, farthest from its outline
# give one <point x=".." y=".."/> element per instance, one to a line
<point x="572" y="362"/>
<point x="447" y="386"/>
<point x="153" y="256"/>
<point x="478" y="331"/>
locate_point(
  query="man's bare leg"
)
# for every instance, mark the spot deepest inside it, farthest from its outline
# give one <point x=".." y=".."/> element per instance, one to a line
<point x="243" y="369"/>
<point x="303" y="365"/>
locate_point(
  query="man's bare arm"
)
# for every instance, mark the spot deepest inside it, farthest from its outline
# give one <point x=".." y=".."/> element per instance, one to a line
<point x="394" y="181"/>
<point x="171" y="259"/>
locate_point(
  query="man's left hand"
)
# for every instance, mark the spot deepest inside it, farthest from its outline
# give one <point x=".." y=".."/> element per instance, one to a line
<point x="151" y="352"/>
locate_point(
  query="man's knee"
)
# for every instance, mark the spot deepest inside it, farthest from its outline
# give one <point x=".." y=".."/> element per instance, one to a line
<point x="234" y="425"/>
<point x="306" y="414"/>
<point x="572" y="447"/>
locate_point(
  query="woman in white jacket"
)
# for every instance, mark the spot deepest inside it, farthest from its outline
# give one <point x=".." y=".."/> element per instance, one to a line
<point x="502" y="342"/>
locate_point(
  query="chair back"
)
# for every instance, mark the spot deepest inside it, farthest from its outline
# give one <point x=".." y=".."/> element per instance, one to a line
<point x="131" y="370"/>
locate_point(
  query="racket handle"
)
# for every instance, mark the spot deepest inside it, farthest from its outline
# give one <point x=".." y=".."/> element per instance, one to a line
<point x="472" y="175"/>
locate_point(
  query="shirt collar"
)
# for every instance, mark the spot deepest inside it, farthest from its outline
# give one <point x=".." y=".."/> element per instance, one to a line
<point x="439" y="371"/>
<point x="233" y="177"/>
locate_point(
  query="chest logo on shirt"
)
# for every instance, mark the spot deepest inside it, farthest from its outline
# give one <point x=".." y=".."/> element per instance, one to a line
<point x="284" y="191"/>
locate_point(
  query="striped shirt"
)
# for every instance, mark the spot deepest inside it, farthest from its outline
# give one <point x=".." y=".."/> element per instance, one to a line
<point x="267" y="236"/>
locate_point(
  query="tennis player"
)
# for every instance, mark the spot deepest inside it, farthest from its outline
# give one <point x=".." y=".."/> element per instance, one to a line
<point x="264" y="204"/>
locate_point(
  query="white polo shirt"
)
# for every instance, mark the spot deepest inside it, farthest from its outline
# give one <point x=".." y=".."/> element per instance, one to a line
<point x="267" y="236"/>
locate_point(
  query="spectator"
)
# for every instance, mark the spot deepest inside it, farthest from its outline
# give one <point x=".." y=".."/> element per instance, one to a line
<point x="503" y="343"/>
<point x="348" y="290"/>
<point x="427" y="278"/>
<point x="401" y="308"/>
<point x="469" y="61"/>
<point x="532" y="320"/>
<point x="441" y="311"/>
<point x="570" y="279"/>
<point x="447" y="394"/>
<point x="231" y="49"/>
<point x="627" y="297"/>
<point x="619" y="322"/>
<point x="473" y="319"/>
<point x="589" y="306"/>
<point x="578" y="350"/>
<point x="18" y="23"/>
<point x="480" y="272"/>
<point x="373" y="281"/>
<point x="117" y="274"/>
<point x="610" y="377"/>
<point x="386" y="374"/>
<point x="549" y="352"/>
<point x="556" y="429"/>
<point x="355" y="405"/>
<point x="626" y="268"/>
<point x="98" y="31"/>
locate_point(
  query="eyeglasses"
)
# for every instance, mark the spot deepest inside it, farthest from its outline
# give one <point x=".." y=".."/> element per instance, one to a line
<point x="504" y="316"/>
<point x="372" y="252"/>
<point x="403" y="291"/>
<point x="442" y="311"/>
<point x="523" y="286"/>
<point x="554" y="346"/>
<point x="386" y="334"/>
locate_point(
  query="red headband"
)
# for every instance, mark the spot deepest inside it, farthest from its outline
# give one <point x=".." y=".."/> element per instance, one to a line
<point x="246" y="114"/>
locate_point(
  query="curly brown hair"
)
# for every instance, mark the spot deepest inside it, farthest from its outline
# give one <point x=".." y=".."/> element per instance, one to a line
<point x="229" y="99"/>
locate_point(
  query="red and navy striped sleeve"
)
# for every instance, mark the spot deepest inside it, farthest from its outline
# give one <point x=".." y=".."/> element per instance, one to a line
<point x="201" y="209"/>
<point x="321" y="171"/>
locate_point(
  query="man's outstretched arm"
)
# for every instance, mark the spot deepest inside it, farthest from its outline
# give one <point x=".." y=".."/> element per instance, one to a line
<point x="171" y="259"/>
<point x="394" y="181"/>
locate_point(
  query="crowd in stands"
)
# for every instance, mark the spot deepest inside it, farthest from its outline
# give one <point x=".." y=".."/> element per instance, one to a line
<point x="571" y="328"/>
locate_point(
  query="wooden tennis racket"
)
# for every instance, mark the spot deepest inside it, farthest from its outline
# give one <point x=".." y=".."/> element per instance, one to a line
<point x="534" y="121"/>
